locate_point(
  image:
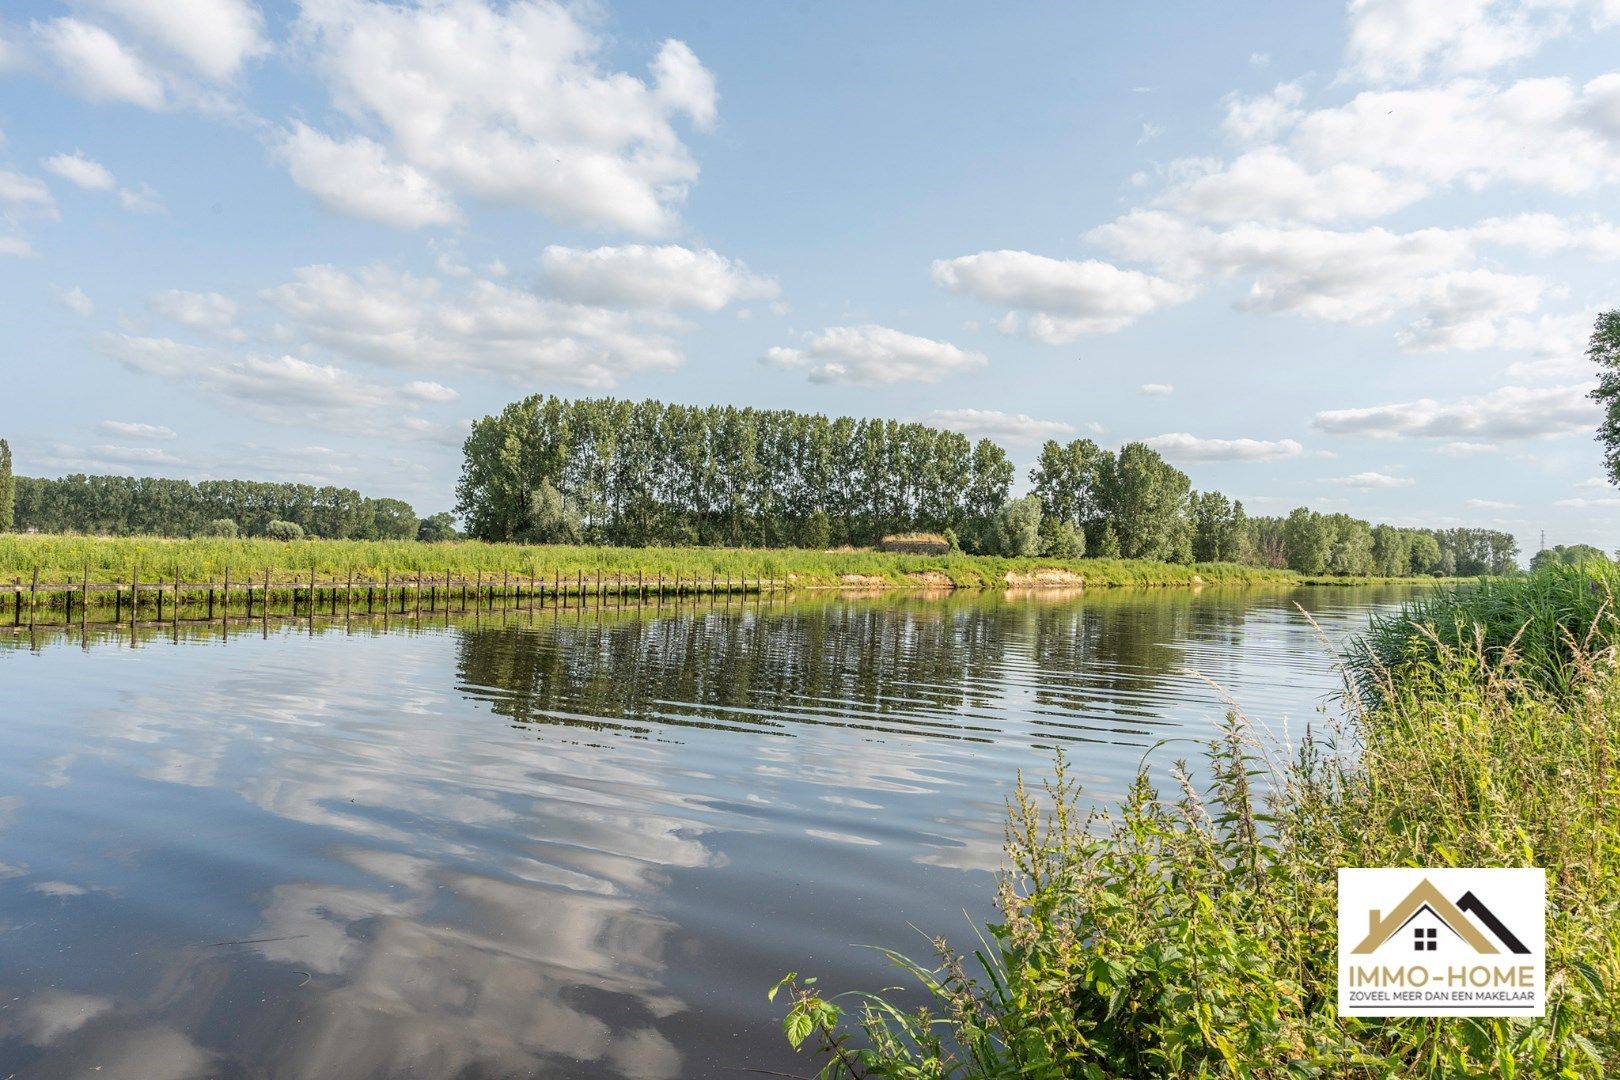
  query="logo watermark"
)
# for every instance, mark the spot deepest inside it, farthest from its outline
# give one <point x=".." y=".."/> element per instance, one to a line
<point x="1444" y="942"/>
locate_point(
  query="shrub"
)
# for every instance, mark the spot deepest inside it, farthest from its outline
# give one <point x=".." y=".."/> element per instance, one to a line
<point x="284" y="530"/>
<point x="222" y="528"/>
<point x="1195" y="935"/>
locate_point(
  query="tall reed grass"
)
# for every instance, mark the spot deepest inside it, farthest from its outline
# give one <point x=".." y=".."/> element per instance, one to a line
<point x="1192" y="933"/>
<point x="1547" y="621"/>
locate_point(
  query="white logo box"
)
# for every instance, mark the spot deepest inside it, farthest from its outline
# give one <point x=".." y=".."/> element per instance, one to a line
<point x="1442" y="942"/>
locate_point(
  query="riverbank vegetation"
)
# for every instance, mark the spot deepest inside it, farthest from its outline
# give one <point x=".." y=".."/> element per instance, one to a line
<point x="617" y="472"/>
<point x="1193" y="932"/>
<point x="66" y="559"/>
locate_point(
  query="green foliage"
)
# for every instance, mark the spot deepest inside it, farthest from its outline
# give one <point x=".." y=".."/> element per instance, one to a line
<point x="8" y="488"/>
<point x="1061" y="539"/>
<point x="1219" y="528"/>
<point x="1314" y="543"/>
<point x="818" y="530"/>
<point x="1546" y="624"/>
<point x="639" y="473"/>
<point x="1194" y="933"/>
<point x="222" y="528"/>
<point x="1144" y="497"/>
<point x="157" y="506"/>
<point x="284" y="531"/>
<point x="1604" y="351"/>
<point x="1424" y="551"/>
<point x="1573" y="555"/>
<point x="437" y="528"/>
<point x="1018" y="528"/>
<point x="62" y="559"/>
<point x="1107" y="545"/>
<point x="553" y="517"/>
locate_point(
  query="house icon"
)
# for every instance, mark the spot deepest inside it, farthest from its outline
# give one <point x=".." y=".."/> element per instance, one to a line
<point x="1425" y="912"/>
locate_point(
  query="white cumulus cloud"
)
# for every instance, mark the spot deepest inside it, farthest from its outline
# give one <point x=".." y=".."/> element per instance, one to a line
<point x="1057" y="300"/>
<point x="80" y="170"/>
<point x="511" y="104"/>
<point x="211" y="313"/>
<point x="998" y="426"/>
<point x="1374" y="480"/>
<point x="130" y="429"/>
<point x="380" y="315"/>
<point x="638" y="275"/>
<point x="359" y="178"/>
<point x="874" y="355"/>
<point x="1183" y="446"/>
<point x="1511" y="412"/>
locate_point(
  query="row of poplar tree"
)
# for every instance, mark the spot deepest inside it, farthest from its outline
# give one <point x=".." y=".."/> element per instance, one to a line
<point x="610" y="471"/>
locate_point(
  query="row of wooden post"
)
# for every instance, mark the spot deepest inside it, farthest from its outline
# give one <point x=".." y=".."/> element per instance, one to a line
<point x="603" y="588"/>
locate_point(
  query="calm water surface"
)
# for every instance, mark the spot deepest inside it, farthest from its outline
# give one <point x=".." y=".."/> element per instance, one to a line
<point x="561" y="844"/>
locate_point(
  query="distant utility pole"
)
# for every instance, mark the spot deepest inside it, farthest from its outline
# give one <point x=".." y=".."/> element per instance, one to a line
<point x="1543" y="546"/>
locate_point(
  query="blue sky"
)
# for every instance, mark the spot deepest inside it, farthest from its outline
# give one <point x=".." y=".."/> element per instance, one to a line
<point x="1345" y="257"/>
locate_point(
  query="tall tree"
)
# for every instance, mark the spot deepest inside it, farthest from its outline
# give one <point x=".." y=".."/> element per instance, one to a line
<point x="1604" y="351"/>
<point x="8" y="488"/>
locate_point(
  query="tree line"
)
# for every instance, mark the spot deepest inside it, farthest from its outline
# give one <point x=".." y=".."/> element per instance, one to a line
<point x="619" y="472"/>
<point x="609" y="471"/>
<point x="158" y="506"/>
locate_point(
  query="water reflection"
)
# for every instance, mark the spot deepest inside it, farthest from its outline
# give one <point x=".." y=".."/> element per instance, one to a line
<point x="559" y="843"/>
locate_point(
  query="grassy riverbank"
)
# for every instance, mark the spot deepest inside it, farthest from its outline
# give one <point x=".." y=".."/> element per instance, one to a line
<point x="1192" y="933"/>
<point x="64" y="559"/>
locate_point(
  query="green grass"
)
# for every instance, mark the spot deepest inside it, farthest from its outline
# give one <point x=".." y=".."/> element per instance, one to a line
<point x="1191" y="933"/>
<point x="62" y="559"/>
<point x="1549" y="621"/>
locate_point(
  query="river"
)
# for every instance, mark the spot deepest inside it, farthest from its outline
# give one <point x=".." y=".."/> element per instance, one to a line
<point x="577" y="843"/>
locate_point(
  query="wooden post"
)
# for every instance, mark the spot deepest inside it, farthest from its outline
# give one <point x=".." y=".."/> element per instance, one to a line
<point x="134" y="591"/>
<point x="266" y="606"/>
<point x="478" y="589"/>
<point x="506" y="585"/>
<point x="312" y="592"/>
<point x="177" y="596"/>
<point x="419" y="594"/>
<point x="348" y="595"/>
<point x="579" y="586"/>
<point x="225" y="608"/>
<point x="33" y="598"/>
